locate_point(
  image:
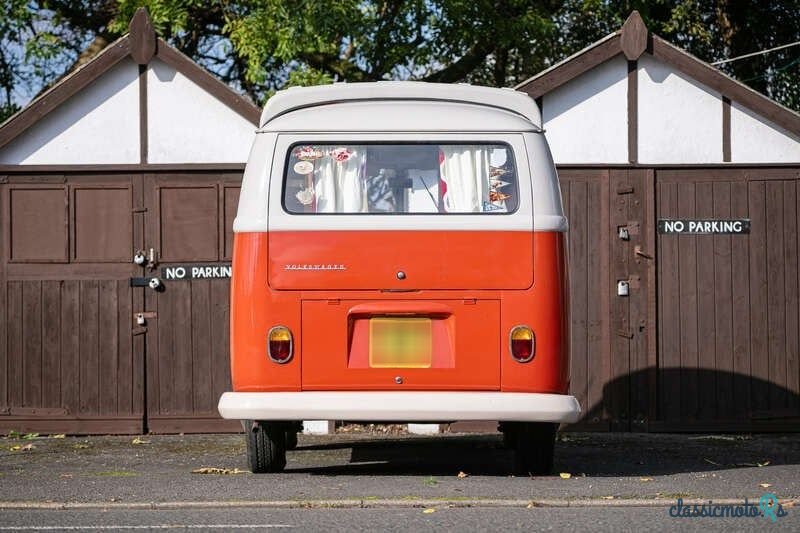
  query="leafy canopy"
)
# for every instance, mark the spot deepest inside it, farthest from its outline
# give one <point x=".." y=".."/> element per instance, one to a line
<point x="259" y="46"/>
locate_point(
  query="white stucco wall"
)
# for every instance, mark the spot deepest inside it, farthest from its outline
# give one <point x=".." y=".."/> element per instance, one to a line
<point x="586" y="119"/>
<point x="189" y="125"/>
<point x="757" y="140"/>
<point x="98" y="125"/>
<point x="680" y="120"/>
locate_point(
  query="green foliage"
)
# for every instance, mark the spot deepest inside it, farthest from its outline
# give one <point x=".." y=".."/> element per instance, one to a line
<point x="259" y="46"/>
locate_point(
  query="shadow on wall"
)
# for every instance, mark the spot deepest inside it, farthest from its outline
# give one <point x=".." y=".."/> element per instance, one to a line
<point x="695" y="400"/>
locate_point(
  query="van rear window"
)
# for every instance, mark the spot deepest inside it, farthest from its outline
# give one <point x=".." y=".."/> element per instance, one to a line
<point x="400" y="178"/>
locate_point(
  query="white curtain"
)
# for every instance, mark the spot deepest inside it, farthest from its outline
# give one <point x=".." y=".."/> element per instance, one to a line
<point x="465" y="171"/>
<point x="339" y="186"/>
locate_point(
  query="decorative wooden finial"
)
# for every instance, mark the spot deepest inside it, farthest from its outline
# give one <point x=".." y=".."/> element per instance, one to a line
<point x="142" y="36"/>
<point x="634" y="36"/>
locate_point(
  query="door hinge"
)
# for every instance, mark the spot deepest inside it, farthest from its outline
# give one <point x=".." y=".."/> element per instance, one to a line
<point x="139" y="210"/>
<point x="625" y="189"/>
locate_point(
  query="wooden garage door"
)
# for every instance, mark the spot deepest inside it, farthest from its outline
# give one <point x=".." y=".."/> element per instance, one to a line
<point x="611" y="340"/>
<point x="728" y="304"/>
<point x="70" y="359"/>
<point x="188" y="225"/>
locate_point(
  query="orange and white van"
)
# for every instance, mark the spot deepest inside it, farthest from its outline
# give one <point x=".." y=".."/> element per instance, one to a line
<point x="400" y="255"/>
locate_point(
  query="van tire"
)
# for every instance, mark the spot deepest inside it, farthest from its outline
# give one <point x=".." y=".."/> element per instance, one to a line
<point x="534" y="447"/>
<point x="266" y="446"/>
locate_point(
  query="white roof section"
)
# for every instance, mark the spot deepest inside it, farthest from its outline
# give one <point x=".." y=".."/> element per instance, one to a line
<point x="296" y="98"/>
<point x="98" y="125"/>
<point x="400" y="115"/>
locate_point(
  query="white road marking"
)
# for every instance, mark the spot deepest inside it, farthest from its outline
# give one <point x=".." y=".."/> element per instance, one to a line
<point x="154" y="526"/>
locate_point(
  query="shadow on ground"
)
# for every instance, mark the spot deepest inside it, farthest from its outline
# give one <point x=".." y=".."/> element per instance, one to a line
<point x="591" y="454"/>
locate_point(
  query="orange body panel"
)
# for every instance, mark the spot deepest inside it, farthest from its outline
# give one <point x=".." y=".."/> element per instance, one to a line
<point x="429" y="259"/>
<point x="481" y="314"/>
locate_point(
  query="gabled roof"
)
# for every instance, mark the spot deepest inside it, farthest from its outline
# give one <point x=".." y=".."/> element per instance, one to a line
<point x="633" y="40"/>
<point x="140" y="44"/>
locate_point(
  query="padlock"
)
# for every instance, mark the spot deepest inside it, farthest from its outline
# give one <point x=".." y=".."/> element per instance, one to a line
<point x="623" y="288"/>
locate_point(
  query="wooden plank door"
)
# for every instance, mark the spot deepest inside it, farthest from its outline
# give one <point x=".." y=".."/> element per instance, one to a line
<point x="728" y="304"/>
<point x="189" y="221"/>
<point x="73" y="361"/>
<point x="609" y="340"/>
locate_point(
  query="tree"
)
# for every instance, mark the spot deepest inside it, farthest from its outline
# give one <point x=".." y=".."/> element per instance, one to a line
<point x="259" y="46"/>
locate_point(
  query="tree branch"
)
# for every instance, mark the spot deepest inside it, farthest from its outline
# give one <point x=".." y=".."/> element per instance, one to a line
<point x="459" y="69"/>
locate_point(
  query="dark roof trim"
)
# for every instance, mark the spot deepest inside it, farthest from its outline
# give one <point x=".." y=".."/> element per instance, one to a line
<point x="63" y="90"/>
<point x="572" y="67"/>
<point x="633" y="41"/>
<point x="634" y="37"/>
<point x="727" y="86"/>
<point x="142" y="45"/>
<point x="125" y="167"/>
<point x="142" y="36"/>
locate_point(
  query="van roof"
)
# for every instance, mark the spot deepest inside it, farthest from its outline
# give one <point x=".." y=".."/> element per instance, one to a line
<point x="295" y="98"/>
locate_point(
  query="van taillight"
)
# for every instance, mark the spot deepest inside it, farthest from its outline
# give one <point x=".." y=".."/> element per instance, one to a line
<point x="279" y="344"/>
<point x="522" y="343"/>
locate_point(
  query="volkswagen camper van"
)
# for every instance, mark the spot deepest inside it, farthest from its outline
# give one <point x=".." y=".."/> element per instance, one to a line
<point x="399" y="255"/>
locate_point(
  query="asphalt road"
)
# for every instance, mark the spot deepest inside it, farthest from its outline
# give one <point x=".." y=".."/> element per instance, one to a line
<point x="616" y="482"/>
<point x="614" y="519"/>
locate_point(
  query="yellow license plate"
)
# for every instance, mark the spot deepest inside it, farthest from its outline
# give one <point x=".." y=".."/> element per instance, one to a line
<point x="400" y="342"/>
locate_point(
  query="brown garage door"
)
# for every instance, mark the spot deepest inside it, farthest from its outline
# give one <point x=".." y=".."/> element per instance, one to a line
<point x="70" y="359"/>
<point x="188" y="225"/>
<point x="611" y="336"/>
<point x="74" y="358"/>
<point x="728" y="304"/>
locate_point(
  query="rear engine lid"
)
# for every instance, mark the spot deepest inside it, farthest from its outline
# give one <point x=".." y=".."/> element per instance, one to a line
<point x="401" y="344"/>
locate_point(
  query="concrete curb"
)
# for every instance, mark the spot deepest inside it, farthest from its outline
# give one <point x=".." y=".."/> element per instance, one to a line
<point x="377" y="504"/>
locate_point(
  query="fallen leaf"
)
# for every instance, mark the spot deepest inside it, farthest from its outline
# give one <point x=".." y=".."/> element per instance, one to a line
<point x="530" y="506"/>
<point x="565" y="475"/>
<point x="711" y="462"/>
<point x="80" y="446"/>
<point x="215" y="470"/>
<point x="756" y="464"/>
<point x="462" y="475"/>
<point x="15" y="448"/>
<point x="66" y="475"/>
<point x="607" y="497"/>
<point x="429" y="511"/>
<point x="137" y="440"/>
<point x="28" y="447"/>
<point x="30" y="436"/>
<point x="765" y="485"/>
<point x="645" y="479"/>
<point x="714" y="437"/>
<point x="59" y="436"/>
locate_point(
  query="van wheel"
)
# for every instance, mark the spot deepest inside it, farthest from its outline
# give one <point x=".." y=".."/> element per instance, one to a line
<point x="266" y="446"/>
<point x="534" y="446"/>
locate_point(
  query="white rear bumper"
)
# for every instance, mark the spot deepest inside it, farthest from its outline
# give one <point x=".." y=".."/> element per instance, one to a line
<point x="407" y="406"/>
